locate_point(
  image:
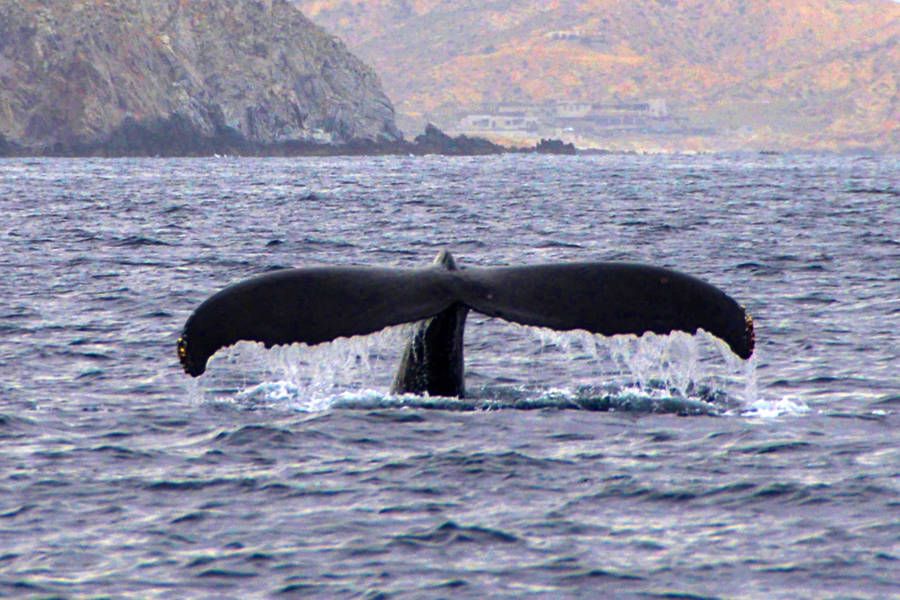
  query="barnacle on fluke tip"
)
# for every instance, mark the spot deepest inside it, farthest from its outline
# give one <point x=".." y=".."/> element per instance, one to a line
<point x="750" y="332"/>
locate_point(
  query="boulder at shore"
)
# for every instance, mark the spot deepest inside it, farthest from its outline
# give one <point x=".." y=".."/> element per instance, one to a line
<point x="174" y="77"/>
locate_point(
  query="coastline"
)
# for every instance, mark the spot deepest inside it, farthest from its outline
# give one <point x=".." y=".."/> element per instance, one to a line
<point x="176" y="137"/>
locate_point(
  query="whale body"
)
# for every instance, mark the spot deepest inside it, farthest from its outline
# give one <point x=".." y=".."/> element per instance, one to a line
<point x="319" y="304"/>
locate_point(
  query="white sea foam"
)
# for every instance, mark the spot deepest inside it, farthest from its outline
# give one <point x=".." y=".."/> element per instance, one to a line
<point x="778" y="407"/>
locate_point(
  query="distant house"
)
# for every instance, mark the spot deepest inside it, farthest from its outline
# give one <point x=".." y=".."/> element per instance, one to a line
<point x="563" y="35"/>
<point x="658" y="108"/>
<point x="499" y="122"/>
<point x="510" y="108"/>
<point x="570" y="117"/>
<point x="572" y="110"/>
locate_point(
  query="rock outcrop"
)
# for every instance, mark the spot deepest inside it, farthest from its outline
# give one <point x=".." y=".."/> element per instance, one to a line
<point x="553" y="146"/>
<point x="435" y="141"/>
<point x="179" y="77"/>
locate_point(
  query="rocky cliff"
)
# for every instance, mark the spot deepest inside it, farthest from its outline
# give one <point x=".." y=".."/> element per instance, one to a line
<point x="179" y="77"/>
<point x="818" y="74"/>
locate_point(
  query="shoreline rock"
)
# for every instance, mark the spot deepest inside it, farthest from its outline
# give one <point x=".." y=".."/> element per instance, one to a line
<point x="178" y="137"/>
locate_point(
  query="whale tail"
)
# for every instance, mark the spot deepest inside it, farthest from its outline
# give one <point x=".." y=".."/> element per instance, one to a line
<point x="315" y="305"/>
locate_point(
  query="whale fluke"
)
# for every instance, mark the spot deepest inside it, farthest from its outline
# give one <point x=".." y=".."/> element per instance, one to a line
<point x="609" y="299"/>
<point x="314" y="305"/>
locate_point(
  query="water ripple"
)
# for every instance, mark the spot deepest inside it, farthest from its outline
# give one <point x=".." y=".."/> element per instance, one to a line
<point x="568" y="472"/>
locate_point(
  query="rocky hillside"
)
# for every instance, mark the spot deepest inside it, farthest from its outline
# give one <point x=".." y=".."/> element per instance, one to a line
<point x="818" y="74"/>
<point x="177" y="76"/>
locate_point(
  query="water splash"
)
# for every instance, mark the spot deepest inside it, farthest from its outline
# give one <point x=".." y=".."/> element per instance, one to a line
<point x="317" y="373"/>
<point x="538" y="369"/>
<point x="678" y="364"/>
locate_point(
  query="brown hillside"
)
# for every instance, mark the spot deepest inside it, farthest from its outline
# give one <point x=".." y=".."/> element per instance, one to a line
<point x="171" y="76"/>
<point x="760" y="73"/>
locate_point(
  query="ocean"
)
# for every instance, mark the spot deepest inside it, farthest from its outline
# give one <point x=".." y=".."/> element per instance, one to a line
<point x="578" y="466"/>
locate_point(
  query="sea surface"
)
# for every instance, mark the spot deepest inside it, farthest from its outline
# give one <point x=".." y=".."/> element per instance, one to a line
<point x="578" y="467"/>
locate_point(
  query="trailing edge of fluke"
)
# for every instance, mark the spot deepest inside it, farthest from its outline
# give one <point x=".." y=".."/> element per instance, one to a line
<point x="319" y="304"/>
